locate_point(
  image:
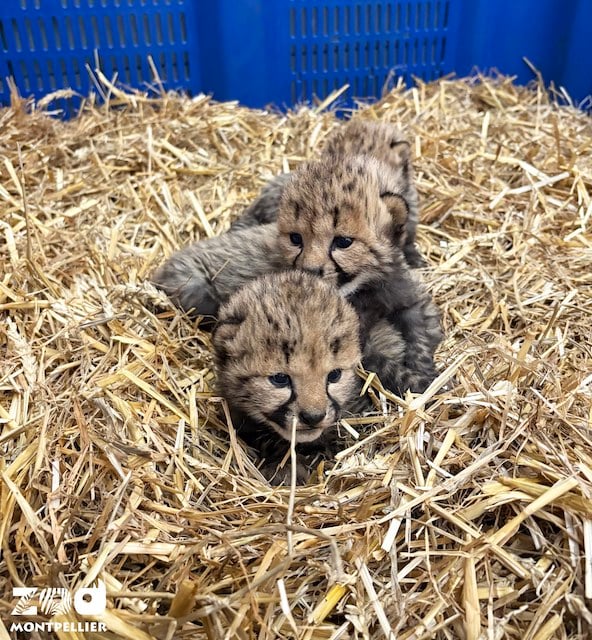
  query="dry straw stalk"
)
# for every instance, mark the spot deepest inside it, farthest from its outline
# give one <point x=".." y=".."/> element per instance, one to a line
<point x="464" y="513"/>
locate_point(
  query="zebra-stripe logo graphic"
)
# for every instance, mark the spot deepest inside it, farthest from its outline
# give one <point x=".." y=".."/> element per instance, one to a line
<point x="51" y="601"/>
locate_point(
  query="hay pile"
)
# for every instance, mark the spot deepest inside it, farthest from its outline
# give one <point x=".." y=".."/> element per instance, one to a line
<point x="467" y="517"/>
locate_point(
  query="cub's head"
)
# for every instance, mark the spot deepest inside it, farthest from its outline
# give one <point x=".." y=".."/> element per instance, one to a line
<point x="286" y="347"/>
<point x="341" y="218"/>
<point x="381" y="140"/>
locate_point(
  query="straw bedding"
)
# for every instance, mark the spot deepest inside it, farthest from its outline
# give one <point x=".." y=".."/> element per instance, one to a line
<point x="463" y="513"/>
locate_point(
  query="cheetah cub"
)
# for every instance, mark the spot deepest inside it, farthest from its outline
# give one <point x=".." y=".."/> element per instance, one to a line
<point x="342" y="218"/>
<point x="386" y="143"/>
<point x="286" y="347"/>
<point x="379" y="140"/>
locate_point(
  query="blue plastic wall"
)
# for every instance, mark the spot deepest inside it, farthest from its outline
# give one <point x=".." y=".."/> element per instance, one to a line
<point x="554" y="35"/>
<point x="287" y="51"/>
<point x="48" y="44"/>
<point x="282" y="52"/>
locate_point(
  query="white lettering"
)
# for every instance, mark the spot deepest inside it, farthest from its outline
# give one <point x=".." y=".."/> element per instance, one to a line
<point x="66" y="627"/>
<point x="23" y="608"/>
<point x="91" y="601"/>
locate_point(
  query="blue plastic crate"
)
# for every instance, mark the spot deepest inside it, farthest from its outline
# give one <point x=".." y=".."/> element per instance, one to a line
<point x="49" y="44"/>
<point x="288" y="51"/>
<point x="255" y="51"/>
<point x="554" y="35"/>
<point x="283" y="52"/>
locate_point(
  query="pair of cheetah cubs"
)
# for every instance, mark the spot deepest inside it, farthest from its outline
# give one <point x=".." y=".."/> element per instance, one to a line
<point x="313" y="278"/>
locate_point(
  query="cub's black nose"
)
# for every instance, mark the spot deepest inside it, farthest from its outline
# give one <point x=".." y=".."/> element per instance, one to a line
<point x="317" y="271"/>
<point x="311" y="418"/>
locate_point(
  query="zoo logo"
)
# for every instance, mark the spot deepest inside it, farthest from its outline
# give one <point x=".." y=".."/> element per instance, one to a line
<point x="52" y="601"/>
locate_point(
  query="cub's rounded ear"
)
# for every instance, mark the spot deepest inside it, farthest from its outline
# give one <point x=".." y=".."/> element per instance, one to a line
<point x="226" y="330"/>
<point x="400" y="154"/>
<point x="397" y="208"/>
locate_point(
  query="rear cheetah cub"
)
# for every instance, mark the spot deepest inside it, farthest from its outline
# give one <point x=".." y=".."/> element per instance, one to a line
<point x="379" y="140"/>
<point x="386" y="143"/>
<point x="286" y="347"/>
<point x="342" y="217"/>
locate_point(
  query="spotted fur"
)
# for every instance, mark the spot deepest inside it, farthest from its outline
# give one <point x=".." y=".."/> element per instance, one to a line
<point x="286" y="347"/>
<point x="203" y="275"/>
<point x="349" y="198"/>
<point x="380" y="140"/>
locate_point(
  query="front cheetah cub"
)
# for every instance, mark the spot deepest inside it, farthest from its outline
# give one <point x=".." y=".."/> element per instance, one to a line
<point x="286" y="347"/>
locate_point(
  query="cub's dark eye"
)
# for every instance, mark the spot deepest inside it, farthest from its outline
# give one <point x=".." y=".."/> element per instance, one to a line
<point x="296" y="239"/>
<point x="334" y="375"/>
<point x="280" y="380"/>
<point x="342" y="242"/>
